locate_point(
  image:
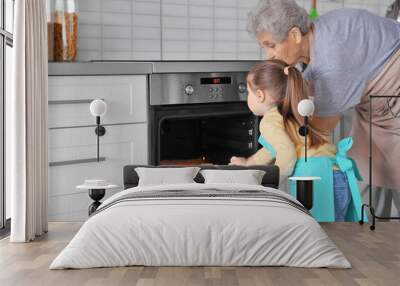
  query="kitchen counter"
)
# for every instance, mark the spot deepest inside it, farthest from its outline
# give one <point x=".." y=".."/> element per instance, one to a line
<point x="202" y="66"/>
<point x="134" y="67"/>
<point x="100" y="68"/>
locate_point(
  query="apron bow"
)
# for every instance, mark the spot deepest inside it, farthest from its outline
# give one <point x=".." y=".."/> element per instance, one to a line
<point x="344" y="162"/>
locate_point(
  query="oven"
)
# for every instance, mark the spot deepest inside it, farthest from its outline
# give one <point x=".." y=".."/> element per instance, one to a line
<point x="200" y="118"/>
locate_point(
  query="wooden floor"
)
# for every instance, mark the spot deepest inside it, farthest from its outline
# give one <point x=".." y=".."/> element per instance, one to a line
<point x="375" y="257"/>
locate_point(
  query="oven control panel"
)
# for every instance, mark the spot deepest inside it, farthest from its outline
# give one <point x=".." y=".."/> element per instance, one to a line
<point x="187" y="88"/>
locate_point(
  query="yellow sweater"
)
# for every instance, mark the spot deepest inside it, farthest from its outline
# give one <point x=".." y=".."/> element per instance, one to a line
<point x="274" y="132"/>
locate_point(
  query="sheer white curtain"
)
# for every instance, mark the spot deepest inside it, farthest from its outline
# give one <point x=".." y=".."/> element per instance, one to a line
<point x="26" y="123"/>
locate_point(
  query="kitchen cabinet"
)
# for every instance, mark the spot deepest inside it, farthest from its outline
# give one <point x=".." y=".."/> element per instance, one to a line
<point x="70" y="147"/>
<point x="73" y="142"/>
<point x="70" y="97"/>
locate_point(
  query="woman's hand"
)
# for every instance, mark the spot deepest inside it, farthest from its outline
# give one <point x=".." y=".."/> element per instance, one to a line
<point x="239" y="161"/>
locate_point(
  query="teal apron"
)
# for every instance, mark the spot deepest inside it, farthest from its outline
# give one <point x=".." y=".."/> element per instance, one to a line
<point x="324" y="204"/>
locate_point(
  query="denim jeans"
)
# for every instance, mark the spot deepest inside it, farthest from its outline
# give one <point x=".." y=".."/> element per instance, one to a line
<point x="342" y="194"/>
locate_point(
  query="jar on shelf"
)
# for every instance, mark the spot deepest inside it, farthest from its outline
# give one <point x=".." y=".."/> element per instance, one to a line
<point x="50" y="30"/>
<point x="64" y="31"/>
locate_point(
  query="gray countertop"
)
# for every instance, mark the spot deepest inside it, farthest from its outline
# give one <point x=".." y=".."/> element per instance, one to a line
<point x="202" y="66"/>
<point x="136" y="67"/>
<point x="100" y="68"/>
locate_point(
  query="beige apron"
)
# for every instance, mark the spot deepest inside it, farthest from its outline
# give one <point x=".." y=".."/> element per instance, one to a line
<point x="385" y="128"/>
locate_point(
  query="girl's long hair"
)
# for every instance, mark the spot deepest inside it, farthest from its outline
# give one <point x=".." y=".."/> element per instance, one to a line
<point x="287" y="91"/>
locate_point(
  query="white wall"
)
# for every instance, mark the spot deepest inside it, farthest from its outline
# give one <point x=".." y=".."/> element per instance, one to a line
<point x="179" y="29"/>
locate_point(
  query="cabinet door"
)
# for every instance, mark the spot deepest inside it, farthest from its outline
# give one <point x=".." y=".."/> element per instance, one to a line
<point x="121" y="145"/>
<point x="70" y="97"/>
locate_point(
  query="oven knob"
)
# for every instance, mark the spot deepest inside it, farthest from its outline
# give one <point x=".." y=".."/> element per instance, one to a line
<point x="242" y="87"/>
<point x="189" y="90"/>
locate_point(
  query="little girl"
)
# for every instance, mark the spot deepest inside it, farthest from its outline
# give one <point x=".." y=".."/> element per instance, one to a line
<point x="274" y="91"/>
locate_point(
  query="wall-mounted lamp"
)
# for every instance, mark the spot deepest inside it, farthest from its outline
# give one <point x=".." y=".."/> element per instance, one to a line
<point x="98" y="108"/>
<point x="305" y="185"/>
<point x="305" y="109"/>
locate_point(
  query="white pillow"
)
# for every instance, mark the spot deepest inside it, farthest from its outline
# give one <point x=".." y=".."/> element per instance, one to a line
<point x="166" y="176"/>
<point x="248" y="177"/>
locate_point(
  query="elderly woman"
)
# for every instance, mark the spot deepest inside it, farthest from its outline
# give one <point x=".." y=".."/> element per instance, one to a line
<point x="350" y="54"/>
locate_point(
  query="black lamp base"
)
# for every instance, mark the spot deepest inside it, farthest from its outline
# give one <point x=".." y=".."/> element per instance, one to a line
<point x="304" y="193"/>
<point x="96" y="195"/>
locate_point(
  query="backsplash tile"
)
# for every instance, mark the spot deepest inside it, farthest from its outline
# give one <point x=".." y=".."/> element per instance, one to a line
<point x="89" y="5"/>
<point x="116" y="6"/>
<point x="180" y="29"/>
<point x="201" y="23"/>
<point x="152" y="46"/>
<point x="146" y="33"/>
<point x="146" y="8"/>
<point x="146" y="20"/>
<point x="117" y="19"/>
<point x="114" y="31"/>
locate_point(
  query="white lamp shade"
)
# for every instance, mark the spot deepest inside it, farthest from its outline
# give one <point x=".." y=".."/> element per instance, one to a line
<point x="306" y="107"/>
<point x="98" y="107"/>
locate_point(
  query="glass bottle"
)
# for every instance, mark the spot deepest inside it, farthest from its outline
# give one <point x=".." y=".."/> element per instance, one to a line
<point x="65" y="30"/>
<point x="50" y="29"/>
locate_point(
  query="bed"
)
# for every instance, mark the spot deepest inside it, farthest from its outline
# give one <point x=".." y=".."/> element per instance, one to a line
<point x="199" y="224"/>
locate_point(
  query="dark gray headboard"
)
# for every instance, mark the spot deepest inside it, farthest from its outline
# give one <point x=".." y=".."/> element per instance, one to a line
<point x="271" y="177"/>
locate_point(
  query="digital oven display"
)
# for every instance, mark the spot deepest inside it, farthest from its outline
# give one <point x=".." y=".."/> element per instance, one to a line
<point x="215" y="80"/>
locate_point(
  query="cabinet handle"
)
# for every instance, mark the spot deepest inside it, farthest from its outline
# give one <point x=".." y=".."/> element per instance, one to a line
<point x="73" y="162"/>
<point x="70" y="101"/>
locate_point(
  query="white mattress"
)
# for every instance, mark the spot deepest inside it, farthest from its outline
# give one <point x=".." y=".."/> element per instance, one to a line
<point x="202" y="232"/>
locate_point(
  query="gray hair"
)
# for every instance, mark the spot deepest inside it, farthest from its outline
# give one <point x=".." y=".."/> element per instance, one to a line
<point x="277" y="17"/>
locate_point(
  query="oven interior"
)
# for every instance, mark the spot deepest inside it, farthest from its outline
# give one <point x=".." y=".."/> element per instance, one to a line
<point x="206" y="139"/>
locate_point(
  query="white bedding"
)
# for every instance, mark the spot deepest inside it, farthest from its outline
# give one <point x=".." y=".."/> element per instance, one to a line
<point x="200" y="231"/>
